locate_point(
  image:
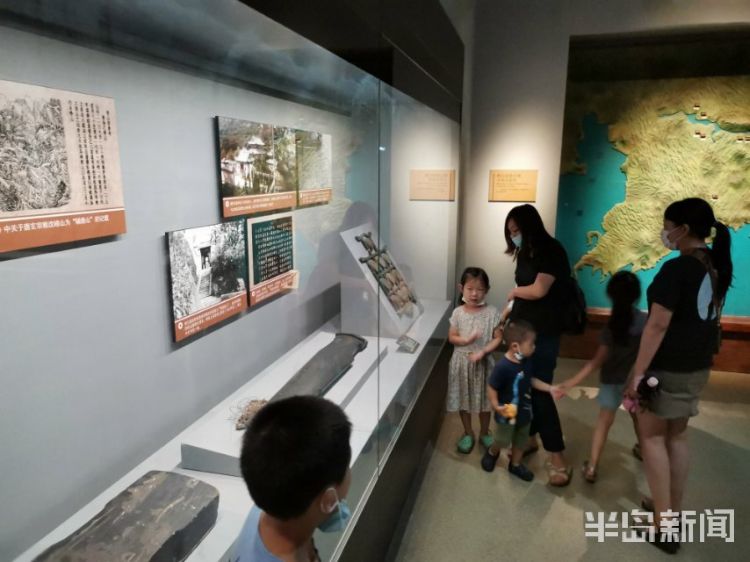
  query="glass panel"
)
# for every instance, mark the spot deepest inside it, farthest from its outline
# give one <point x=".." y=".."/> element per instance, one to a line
<point x="419" y="166"/>
<point x="214" y="119"/>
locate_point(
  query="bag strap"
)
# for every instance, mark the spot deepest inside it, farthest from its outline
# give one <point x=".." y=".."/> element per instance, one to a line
<point x="702" y="255"/>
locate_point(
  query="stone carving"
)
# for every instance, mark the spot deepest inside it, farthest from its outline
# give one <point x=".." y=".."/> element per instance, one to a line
<point x="324" y="368"/>
<point x="161" y="516"/>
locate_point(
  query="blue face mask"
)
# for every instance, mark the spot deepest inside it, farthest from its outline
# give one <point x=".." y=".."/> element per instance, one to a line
<point x="517" y="240"/>
<point x="338" y="518"/>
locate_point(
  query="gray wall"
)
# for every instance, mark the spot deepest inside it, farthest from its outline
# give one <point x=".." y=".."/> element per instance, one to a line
<point x="90" y="381"/>
<point x="519" y="56"/>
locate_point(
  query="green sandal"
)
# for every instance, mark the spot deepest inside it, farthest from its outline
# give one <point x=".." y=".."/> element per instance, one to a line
<point x="487" y="440"/>
<point x="465" y="444"/>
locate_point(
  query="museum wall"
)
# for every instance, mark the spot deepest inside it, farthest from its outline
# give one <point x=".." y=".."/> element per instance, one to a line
<point x="518" y="62"/>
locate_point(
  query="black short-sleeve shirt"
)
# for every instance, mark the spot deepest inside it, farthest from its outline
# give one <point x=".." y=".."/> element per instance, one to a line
<point x="683" y="286"/>
<point x="513" y="386"/>
<point x="544" y="314"/>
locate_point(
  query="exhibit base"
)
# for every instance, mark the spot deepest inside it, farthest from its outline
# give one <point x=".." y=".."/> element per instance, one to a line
<point x="214" y="446"/>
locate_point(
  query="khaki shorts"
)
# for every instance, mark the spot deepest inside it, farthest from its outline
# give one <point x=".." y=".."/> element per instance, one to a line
<point x="678" y="393"/>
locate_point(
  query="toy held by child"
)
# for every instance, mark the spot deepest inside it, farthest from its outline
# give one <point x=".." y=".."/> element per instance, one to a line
<point x="509" y="389"/>
<point x="614" y="358"/>
<point x="475" y="334"/>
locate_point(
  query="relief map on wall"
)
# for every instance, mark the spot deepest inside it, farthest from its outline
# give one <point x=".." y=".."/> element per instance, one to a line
<point x="631" y="148"/>
<point x="59" y="167"/>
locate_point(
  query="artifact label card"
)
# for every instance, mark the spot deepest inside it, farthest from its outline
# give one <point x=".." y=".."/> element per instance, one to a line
<point x="513" y="185"/>
<point x="271" y="257"/>
<point x="432" y="185"/>
<point x="60" y="177"/>
<point x="207" y="268"/>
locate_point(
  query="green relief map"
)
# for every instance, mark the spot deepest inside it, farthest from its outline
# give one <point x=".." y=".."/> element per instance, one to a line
<point x="630" y="149"/>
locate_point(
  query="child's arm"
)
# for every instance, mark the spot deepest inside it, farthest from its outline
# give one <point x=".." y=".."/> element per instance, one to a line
<point x="492" y="394"/>
<point x="593" y="364"/>
<point x="455" y="338"/>
<point x="492" y="345"/>
<point x="555" y="390"/>
<point x="495" y="401"/>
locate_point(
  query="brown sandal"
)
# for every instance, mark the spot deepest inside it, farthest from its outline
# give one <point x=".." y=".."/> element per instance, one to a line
<point x="589" y="472"/>
<point x="559" y="477"/>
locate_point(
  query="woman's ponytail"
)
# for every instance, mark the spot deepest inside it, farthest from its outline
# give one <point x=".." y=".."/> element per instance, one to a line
<point x="722" y="258"/>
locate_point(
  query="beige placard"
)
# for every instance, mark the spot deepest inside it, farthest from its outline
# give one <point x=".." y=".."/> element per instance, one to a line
<point x="432" y="185"/>
<point x="513" y="185"/>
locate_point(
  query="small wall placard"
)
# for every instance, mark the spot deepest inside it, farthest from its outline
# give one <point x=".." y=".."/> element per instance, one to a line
<point x="513" y="185"/>
<point x="432" y="185"/>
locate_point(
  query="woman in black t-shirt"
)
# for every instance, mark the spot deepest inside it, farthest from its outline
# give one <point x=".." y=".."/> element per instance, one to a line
<point x="542" y="268"/>
<point x="677" y="346"/>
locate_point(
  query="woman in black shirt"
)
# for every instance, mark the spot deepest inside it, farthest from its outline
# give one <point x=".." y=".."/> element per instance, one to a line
<point x="542" y="268"/>
<point x="677" y="346"/>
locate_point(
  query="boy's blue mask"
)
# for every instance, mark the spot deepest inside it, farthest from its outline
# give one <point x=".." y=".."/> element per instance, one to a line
<point x="338" y="518"/>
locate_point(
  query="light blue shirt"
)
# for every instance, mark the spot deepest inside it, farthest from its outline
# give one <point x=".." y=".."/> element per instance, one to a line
<point x="250" y="547"/>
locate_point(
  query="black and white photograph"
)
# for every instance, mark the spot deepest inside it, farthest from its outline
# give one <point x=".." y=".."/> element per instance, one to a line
<point x="208" y="267"/>
<point x="33" y="159"/>
<point x="59" y="167"/>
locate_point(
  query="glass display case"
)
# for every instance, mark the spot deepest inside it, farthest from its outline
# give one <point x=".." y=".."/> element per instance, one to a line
<point x="272" y="197"/>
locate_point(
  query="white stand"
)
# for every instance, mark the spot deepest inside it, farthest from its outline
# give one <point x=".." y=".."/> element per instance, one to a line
<point x="214" y="445"/>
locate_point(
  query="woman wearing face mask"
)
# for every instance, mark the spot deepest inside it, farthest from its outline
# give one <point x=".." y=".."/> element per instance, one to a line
<point x="677" y="347"/>
<point x="542" y="268"/>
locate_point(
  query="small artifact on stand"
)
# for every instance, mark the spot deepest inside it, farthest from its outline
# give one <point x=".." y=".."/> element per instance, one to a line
<point x="161" y="516"/>
<point x="247" y="413"/>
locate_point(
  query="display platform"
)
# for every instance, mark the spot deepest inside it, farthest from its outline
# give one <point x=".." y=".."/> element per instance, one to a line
<point x="215" y="445"/>
<point x="356" y="392"/>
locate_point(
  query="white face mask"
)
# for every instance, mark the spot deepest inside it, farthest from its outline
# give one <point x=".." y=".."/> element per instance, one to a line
<point x="668" y="244"/>
<point x="463" y="299"/>
<point x="519" y="356"/>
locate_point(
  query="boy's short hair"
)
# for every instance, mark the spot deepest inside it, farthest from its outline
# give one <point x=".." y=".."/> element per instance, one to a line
<point x="292" y="451"/>
<point x="517" y="332"/>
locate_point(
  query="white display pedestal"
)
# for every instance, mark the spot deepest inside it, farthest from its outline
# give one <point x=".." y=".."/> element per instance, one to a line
<point x="366" y="401"/>
<point x="214" y="446"/>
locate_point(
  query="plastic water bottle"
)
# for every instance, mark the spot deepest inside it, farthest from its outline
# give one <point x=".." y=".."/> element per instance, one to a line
<point x="647" y="389"/>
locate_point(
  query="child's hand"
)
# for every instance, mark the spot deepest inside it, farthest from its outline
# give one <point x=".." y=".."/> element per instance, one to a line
<point x="558" y="391"/>
<point x="473" y="337"/>
<point x="508" y="410"/>
<point x="476" y="357"/>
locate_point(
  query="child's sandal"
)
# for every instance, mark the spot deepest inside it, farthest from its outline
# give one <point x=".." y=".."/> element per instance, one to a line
<point x="589" y="472"/>
<point x="465" y="444"/>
